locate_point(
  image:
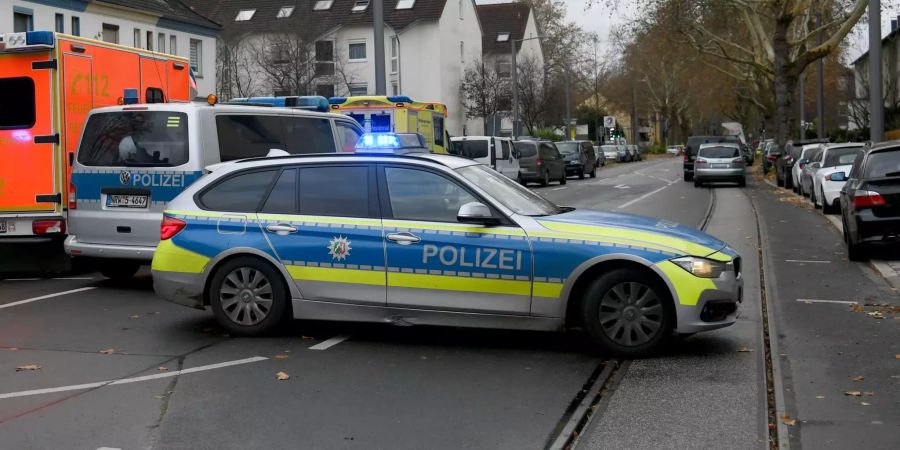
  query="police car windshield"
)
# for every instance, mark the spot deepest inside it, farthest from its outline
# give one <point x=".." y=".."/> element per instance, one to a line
<point x="512" y="195"/>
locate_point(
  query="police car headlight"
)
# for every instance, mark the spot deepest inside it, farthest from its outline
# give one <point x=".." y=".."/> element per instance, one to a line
<point x="700" y="267"/>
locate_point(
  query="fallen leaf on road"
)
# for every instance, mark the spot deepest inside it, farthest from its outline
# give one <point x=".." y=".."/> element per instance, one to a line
<point x="869" y="394"/>
<point x="820" y="396"/>
<point x="282" y="356"/>
<point x="108" y="351"/>
<point x="865" y="403"/>
<point x="12" y="349"/>
<point x="134" y="316"/>
<point x="859" y="378"/>
<point x="281" y="376"/>
<point x="744" y="350"/>
<point x="857" y="308"/>
<point x="159" y="397"/>
<point x="875" y="315"/>
<point x="28" y="367"/>
<point x="771" y="426"/>
<point x="307" y="338"/>
<point x="896" y="356"/>
<point x="788" y="421"/>
<point x="853" y="393"/>
<point x="162" y="368"/>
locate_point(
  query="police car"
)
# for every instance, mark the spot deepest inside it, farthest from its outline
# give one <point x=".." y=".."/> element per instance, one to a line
<point x="392" y="233"/>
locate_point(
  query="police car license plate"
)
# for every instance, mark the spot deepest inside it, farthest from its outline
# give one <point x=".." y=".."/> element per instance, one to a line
<point x="126" y="201"/>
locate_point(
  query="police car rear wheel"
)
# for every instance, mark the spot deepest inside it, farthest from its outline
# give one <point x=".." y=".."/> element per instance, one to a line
<point x="627" y="313"/>
<point x="248" y="297"/>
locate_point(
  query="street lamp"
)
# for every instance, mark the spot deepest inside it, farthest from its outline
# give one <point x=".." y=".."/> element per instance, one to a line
<point x="515" y="82"/>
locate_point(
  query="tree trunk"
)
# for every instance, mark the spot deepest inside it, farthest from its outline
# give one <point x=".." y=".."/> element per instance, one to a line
<point x="785" y="82"/>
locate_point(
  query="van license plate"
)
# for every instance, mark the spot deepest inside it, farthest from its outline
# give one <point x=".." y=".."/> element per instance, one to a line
<point x="126" y="201"/>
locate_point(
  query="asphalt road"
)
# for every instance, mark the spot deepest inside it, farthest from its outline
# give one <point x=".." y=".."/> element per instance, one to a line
<point x="121" y="368"/>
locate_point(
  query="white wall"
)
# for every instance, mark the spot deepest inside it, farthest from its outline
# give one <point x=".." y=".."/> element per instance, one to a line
<point x="93" y="18"/>
<point x="459" y="23"/>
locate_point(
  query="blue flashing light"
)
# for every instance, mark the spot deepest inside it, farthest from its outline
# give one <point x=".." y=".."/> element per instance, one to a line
<point x="314" y="102"/>
<point x="399" y="99"/>
<point x="337" y="100"/>
<point x="39" y="38"/>
<point x="130" y="97"/>
<point x="391" y="143"/>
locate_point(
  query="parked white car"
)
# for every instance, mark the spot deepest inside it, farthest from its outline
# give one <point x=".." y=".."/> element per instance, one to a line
<point x="802" y="161"/>
<point x="610" y="152"/>
<point x="837" y="158"/>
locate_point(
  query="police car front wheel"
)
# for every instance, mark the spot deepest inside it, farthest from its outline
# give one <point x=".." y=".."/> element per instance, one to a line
<point x="248" y="296"/>
<point x="627" y="313"/>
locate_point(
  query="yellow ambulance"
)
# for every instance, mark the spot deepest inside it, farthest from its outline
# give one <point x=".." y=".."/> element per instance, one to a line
<point x="397" y="114"/>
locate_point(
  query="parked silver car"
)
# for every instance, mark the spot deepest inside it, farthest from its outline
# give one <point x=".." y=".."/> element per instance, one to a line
<point x="720" y="162"/>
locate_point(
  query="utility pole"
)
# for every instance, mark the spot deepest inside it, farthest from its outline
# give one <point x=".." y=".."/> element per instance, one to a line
<point x="802" y="89"/>
<point x="876" y="104"/>
<point x="820" y="72"/>
<point x="634" y="128"/>
<point x="515" y="88"/>
<point x="568" y="114"/>
<point x="378" y="25"/>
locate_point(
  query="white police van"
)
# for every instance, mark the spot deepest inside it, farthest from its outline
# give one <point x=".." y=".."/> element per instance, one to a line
<point x="133" y="159"/>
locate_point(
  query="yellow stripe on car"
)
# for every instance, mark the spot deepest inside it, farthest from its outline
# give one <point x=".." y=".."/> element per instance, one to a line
<point x="550" y="290"/>
<point x="687" y="286"/>
<point x="172" y="258"/>
<point x="448" y="283"/>
<point x="352" y="276"/>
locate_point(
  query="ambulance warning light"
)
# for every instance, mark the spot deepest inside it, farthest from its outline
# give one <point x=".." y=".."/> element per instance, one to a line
<point x="391" y="143"/>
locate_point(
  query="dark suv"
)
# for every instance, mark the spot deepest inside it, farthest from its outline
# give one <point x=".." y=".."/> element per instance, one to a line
<point x="693" y="144"/>
<point x="580" y="158"/>
<point x="790" y="155"/>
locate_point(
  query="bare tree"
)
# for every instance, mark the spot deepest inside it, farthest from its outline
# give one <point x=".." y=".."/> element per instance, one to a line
<point x="286" y="62"/>
<point x="234" y="66"/>
<point x="533" y="84"/>
<point x="485" y="91"/>
<point x="858" y="107"/>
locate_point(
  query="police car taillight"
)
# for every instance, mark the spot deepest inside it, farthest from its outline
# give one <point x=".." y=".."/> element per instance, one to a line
<point x="170" y="227"/>
<point x="73" y="201"/>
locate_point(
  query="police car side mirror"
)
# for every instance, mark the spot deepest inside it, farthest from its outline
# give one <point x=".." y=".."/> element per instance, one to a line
<point x="477" y="213"/>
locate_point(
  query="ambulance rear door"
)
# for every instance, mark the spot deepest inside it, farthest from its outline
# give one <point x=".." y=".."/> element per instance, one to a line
<point x="78" y="100"/>
<point x="28" y="182"/>
<point x="154" y="80"/>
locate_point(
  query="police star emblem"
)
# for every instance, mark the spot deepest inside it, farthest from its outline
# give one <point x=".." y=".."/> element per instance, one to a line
<point x="339" y="248"/>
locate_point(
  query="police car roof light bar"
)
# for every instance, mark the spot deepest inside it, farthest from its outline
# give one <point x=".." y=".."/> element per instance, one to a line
<point x="391" y="143"/>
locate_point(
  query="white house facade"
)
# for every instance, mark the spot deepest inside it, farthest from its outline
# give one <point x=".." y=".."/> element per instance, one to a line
<point x="165" y="26"/>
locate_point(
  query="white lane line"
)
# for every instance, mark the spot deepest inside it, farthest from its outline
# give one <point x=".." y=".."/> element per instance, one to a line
<point x="29" y="300"/>
<point x="21" y="279"/>
<point x="806" y="261"/>
<point x="325" y="345"/>
<point x="75" y="278"/>
<point x="643" y="197"/>
<point x="840" y="302"/>
<point x="77" y="387"/>
<point x="559" y="188"/>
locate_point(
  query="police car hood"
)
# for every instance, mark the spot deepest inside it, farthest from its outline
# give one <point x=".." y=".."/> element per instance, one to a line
<point x="630" y="227"/>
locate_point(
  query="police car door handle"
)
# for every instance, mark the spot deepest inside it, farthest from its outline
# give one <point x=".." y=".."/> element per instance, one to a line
<point x="281" y="229"/>
<point x="403" y="238"/>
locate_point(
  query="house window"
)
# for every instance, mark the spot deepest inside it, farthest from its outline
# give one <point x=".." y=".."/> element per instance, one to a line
<point x="161" y="43"/>
<point x="173" y="45"/>
<point x="244" y="15"/>
<point x="110" y="33"/>
<point x="359" y="6"/>
<point x="503" y="69"/>
<point x="23" y="19"/>
<point x="395" y="90"/>
<point x="137" y="38"/>
<point x="60" y="23"/>
<point x="76" y="26"/>
<point x="196" y="57"/>
<point x="150" y="41"/>
<point x="503" y="37"/>
<point x="325" y="90"/>
<point x="357" y="89"/>
<point x="279" y="53"/>
<point x="395" y="54"/>
<point x="323" y="5"/>
<point x="357" y="51"/>
<point x="405" y="4"/>
<point x="324" y="57"/>
<point x="459" y="7"/>
<point x="285" y="12"/>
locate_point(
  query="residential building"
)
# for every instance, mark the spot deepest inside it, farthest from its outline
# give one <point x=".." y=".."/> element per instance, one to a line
<point x="165" y="26"/>
<point x="326" y="47"/>
<point x="505" y="25"/>
<point x="890" y="72"/>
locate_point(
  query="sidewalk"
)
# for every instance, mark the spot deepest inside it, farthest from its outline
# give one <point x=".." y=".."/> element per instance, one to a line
<point x="706" y="391"/>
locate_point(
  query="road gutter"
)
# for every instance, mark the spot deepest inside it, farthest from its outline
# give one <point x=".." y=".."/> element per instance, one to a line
<point x="590" y="401"/>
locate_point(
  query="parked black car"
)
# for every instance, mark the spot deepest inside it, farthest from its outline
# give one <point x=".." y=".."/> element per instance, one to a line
<point x="870" y="201"/>
<point x="540" y="161"/>
<point x="693" y="144"/>
<point x="580" y="158"/>
<point x="785" y="162"/>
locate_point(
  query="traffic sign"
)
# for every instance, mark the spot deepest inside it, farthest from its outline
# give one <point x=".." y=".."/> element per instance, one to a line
<point x="609" y="121"/>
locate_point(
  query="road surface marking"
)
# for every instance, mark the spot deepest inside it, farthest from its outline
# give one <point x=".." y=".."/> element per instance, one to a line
<point x="75" y="278"/>
<point x="643" y="197"/>
<point x="621" y="186"/>
<point x="78" y="387"/>
<point x="806" y="261"/>
<point x="21" y="279"/>
<point x="840" y="302"/>
<point x="559" y="188"/>
<point x="325" y="345"/>
<point x="29" y="300"/>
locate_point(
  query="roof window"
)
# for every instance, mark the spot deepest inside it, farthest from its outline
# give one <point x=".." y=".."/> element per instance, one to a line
<point x="360" y="6"/>
<point x="405" y="4"/>
<point x="323" y="5"/>
<point x="503" y="37"/>
<point x="245" y="15"/>
<point x="285" y="12"/>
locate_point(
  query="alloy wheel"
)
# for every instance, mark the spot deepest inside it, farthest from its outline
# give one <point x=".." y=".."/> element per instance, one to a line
<point x="631" y="314"/>
<point x="246" y="296"/>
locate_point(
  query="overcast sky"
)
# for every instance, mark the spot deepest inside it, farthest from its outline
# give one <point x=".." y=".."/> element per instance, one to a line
<point x="601" y="21"/>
